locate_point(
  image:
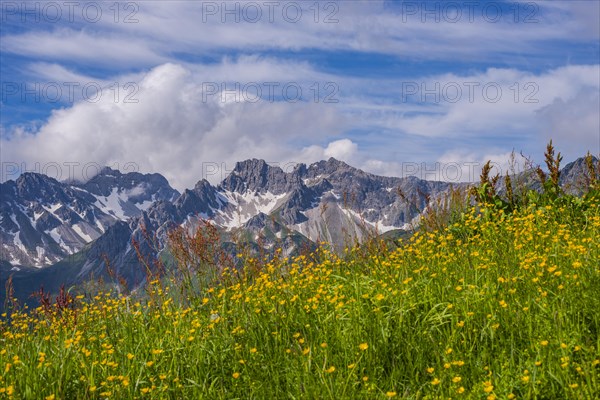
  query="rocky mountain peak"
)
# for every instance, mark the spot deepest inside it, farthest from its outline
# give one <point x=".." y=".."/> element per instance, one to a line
<point x="202" y="186"/>
<point x="258" y="176"/>
<point x="139" y="187"/>
<point x="252" y="165"/>
<point x="33" y="179"/>
<point x="329" y="167"/>
<point x="32" y="186"/>
<point x="575" y="175"/>
<point x="578" y="167"/>
<point x="202" y="200"/>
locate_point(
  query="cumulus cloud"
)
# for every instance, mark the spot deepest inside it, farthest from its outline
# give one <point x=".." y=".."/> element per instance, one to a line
<point x="343" y="149"/>
<point x="172" y="129"/>
<point x="177" y="130"/>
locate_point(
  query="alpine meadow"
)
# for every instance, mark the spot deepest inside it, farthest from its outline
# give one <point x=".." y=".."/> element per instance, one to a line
<point x="498" y="302"/>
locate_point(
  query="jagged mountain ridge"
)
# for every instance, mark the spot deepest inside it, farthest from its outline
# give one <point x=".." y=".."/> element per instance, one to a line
<point x="324" y="201"/>
<point x="43" y="220"/>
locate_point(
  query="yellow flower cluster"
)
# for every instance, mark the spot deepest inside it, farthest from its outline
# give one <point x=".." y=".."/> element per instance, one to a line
<point x="514" y="293"/>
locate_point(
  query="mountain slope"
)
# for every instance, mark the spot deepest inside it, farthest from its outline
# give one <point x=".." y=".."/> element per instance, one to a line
<point x="78" y="228"/>
<point x="43" y="220"/>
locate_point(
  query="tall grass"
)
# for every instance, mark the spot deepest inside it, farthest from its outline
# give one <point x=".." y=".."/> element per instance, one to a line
<point x="501" y="303"/>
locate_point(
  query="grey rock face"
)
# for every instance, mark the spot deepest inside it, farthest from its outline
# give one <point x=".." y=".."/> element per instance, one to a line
<point x="575" y="175"/>
<point x="43" y="220"/>
<point x="257" y="176"/>
<point x="202" y="200"/>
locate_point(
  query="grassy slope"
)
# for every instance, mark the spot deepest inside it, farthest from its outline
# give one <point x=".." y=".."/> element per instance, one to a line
<point x="493" y="307"/>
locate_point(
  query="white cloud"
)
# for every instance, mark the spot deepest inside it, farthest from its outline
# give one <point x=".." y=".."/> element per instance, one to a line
<point x="168" y="31"/>
<point x="343" y="149"/>
<point x="561" y="103"/>
<point x="172" y="130"/>
<point x="468" y="165"/>
<point x="573" y="124"/>
<point x="91" y="48"/>
<point x="177" y="131"/>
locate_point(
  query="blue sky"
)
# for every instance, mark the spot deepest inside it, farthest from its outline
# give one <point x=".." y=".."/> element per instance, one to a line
<point x="386" y="86"/>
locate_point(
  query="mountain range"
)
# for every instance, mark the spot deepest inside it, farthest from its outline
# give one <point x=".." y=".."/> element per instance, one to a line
<point x="54" y="233"/>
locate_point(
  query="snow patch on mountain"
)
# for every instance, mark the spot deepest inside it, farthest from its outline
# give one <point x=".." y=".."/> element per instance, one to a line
<point x="378" y="226"/>
<point x="57" y="237"/>
<point x="112" y="204"/>
<point x="145" y="205"/>
<point x="17" y="241"/>
<point x="241" y="207"/>
<point x="82" y="234"/>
